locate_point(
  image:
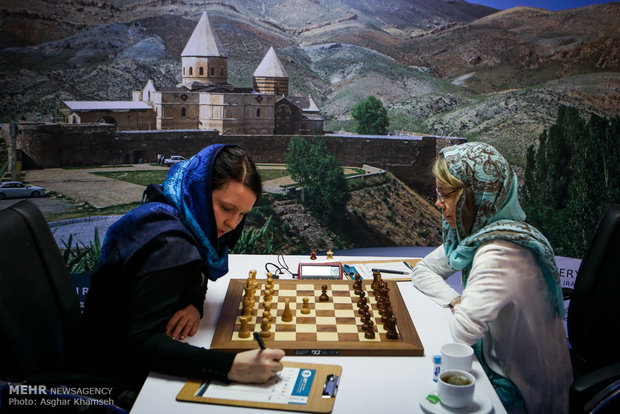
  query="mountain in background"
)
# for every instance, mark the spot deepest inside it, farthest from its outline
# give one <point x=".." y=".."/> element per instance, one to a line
<point x="440" y="67"/>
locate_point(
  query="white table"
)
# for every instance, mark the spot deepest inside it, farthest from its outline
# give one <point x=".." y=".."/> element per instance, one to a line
<point x="368" y="385"/>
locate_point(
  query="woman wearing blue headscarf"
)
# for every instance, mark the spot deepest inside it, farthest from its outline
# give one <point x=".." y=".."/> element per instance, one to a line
<point x="148" y="290"/>
<point x="511" y="305"/>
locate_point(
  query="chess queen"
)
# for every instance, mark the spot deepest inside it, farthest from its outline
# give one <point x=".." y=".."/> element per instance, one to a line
<point x="148" y="289"/>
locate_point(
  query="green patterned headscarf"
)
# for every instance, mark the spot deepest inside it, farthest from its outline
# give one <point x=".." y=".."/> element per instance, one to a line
<point x="489" y="209"/>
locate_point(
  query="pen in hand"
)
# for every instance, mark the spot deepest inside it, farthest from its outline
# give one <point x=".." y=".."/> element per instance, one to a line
<point x="259" y="340"/>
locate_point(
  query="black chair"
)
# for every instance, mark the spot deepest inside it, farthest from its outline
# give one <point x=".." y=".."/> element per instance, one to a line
<point x="39" y="314"/>
<point x="593" y="323"/>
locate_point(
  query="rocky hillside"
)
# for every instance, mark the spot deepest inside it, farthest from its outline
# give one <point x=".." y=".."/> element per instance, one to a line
<point x="440" y="66"/>
<point x="39" y="21"/>
<point x="382" y="211"/>
<point x="396" y="213"/>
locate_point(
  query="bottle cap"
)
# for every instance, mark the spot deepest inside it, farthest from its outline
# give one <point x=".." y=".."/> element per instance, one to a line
<point x="437" y="359"/>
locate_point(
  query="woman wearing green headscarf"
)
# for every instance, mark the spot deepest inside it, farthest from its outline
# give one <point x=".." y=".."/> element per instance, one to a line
<point x="511" y="306"/>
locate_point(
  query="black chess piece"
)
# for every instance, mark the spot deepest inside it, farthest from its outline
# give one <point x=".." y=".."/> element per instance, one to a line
<point x="370" y="330"/>
<point x="363" y="308"/>
<point x="362" y="301"/>
<point x="387" y="314"/>
<point x="324" y="297"/>
<point x="376" y="276"/>
<point x="391" y="328"/>
<point x="357" y="285"/>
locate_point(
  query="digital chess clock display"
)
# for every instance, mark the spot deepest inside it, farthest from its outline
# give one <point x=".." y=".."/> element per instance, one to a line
<point x="331" y="270"/>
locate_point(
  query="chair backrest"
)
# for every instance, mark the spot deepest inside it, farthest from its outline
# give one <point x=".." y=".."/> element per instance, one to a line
<point x="593" y="324"/>
<point x="39" y="308"/>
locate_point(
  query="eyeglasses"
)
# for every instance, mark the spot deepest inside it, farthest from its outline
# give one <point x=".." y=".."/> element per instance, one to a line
<point x="441" y="196"/>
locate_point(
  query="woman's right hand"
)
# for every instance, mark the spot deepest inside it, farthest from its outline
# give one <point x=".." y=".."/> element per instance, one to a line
<point x="256" y="366"/>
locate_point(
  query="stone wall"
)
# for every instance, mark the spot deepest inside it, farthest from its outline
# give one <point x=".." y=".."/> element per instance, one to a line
<point x="124" y="120"/>
<point x="57" y="145"/>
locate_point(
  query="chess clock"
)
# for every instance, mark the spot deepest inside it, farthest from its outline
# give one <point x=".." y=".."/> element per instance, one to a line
<point x="331" y="271"/>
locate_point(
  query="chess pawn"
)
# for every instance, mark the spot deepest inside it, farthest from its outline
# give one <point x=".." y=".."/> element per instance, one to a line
<point x="268" y="296"/>
<point x="330" y="254"/>
<point x="267" y="307"/>
<point x="244" y="331"/>
<point x="267" y="318"/>
<point x="313" y="255"/>
<point x="324" y="297"/>
<point x="369" y="332"/>
<point x="363" y="308"/>
<point x="357" y="285"/>
<point x="287" y="315"/>
<point x="305" y="309"/>
<point x="366" y="314"/>
<point x="362" y="300"/>
<point x="264" y="329"/>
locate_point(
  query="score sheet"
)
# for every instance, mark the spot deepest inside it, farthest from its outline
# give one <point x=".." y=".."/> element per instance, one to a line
<point x="291" y="386"/>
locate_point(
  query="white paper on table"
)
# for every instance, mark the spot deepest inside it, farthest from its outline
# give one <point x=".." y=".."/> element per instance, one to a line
<point x="365" y="269"/>
<point x="290" y="386"/>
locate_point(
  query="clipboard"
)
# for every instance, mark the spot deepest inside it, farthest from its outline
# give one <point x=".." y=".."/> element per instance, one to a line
<point x="300" y="387"/>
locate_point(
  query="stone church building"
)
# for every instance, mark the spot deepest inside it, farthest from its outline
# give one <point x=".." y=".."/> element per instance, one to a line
<point x="205" y="100"/>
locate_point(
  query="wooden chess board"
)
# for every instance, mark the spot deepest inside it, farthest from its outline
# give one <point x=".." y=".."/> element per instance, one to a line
<point x="331" y="328"/>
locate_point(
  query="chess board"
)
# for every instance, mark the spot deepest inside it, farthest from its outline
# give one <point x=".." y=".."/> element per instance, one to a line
<point x="331" y="328"/>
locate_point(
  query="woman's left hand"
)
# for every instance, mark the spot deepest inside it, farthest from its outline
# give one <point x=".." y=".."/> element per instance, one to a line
<point x="184" y="322"/>
<point x="454" y="302"/>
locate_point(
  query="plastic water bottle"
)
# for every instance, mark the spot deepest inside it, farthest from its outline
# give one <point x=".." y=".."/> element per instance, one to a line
<point x="436" y="367"/>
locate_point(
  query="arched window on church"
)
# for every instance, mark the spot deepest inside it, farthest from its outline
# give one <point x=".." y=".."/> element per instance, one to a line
<point x="212" y="71"/>
<point x="201" y="71"/>
<point x="257" y="112"/>
<point x="191" y="72"/>
<point x="183" y="70"/>
<point x="183" y="111"/>
<point x="222" y="72"/>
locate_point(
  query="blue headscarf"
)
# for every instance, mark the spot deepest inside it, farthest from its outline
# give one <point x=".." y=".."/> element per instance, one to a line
<point x="489" y="209"/>
<point x="186" y="207"/>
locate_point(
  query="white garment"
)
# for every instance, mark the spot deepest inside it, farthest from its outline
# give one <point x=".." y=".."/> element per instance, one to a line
<point x="507" y="303"/>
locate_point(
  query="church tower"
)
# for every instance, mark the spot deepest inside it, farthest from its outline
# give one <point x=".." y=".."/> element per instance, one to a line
<point x="270" y="76"/>
<point x="203" y="60"/>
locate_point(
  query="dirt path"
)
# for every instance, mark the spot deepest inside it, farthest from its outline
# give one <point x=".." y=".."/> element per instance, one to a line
<point x="97" y="190"/>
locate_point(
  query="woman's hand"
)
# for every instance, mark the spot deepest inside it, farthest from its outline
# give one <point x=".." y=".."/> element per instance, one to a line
<point x="454" y="302"/>
<point x="184" y="322"/>
<point x="256" y="366"/>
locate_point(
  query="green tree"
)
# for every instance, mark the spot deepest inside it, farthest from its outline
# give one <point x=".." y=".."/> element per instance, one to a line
<point x="571" y="179"/>
<point x="371" y="117"/>
<point x="321" y="175"/>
